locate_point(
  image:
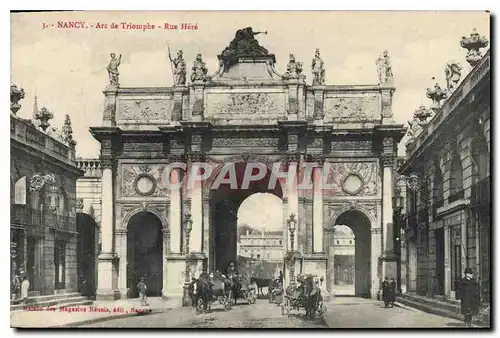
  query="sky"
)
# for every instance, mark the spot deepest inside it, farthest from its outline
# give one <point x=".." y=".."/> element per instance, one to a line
<point x="66" y="68"/>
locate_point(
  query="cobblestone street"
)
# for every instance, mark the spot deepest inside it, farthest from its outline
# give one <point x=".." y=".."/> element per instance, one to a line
<point x="260" y="315"/>
<point x="344" y="312"/>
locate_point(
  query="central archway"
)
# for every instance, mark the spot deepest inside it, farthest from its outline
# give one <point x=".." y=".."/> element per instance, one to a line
<point x="87" y="230"/>
<point x="360" y="225"/>
<point x="225" y="201"/>
<point x="145" y="253"/>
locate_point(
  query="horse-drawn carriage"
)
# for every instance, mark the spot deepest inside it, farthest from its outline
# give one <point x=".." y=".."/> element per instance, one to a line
<point x="211" y="289"/>
<point x="223" y="289"/>
<point x="241" y="288"/>
<point x="304" y="295"/>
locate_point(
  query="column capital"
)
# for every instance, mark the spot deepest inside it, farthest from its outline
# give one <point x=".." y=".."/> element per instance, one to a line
<point x="387" y="160"/>
<point x="319" y="159"/>
<point x="376" y="231"/>
<point x="107" y="162"/>
<point x="290" y="157"/>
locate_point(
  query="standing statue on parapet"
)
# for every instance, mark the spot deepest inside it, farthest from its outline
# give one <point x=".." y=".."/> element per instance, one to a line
<point x="384" y="69"/>
<point x="199" y="70"/>
<point x="293" y="69"/>
<point x="179" y="70"/>
<point x="112" y="69"/>
<point x="318" y="70"/>
<point x="453" y="72"/>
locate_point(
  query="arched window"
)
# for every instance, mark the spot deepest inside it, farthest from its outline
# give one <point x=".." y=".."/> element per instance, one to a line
<point x="437" y="192"/>
<point x="456" y="178"/>
<point x="480" y="158"/>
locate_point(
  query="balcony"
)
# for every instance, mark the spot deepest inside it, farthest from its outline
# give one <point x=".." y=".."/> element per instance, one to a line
<point x="481" y="193"/>
<point x="436" y="205"/>
<point x="61" y="223"/>
<point x="457" y="195"/>
<point x="24" y="216"/>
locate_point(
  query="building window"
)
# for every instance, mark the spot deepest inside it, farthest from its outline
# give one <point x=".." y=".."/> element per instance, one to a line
<point x="437" y="191"/>
<point x="480" y="161"/>
<point x="281" y="242"/>
<point x="456" y="178"/>
<point x="350" y="242"/>
<point x="258" y="256"/>
<point x="338" y="242"/>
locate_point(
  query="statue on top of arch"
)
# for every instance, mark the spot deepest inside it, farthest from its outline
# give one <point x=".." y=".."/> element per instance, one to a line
<point x="293" y="69"/>
<point x="199" y="70"/>
<point x="243" y="44"/>
<point x="384" y="69"/>
<point x="318" y="69"/>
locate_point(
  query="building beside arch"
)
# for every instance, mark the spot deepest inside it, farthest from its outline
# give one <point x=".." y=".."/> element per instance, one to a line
<point x="43" y="231"/>
<point x="448" y="223"/>
<point x="246" y="115"/>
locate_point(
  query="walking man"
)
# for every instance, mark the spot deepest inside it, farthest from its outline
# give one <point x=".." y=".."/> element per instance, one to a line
<point x="468" y="293"/>
<point x="141" y="286"/>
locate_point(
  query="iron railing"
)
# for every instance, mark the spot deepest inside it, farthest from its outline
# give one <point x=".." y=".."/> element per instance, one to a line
<point x="22" y="215"/>
<point x="456" y="196"/>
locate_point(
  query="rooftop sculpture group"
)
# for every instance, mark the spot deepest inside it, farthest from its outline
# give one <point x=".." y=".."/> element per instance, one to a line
<point x="453" y="74"/>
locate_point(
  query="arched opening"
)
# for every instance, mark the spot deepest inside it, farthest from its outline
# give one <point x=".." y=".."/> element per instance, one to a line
<point x="86" y="228"/>
<point x="344" y="260"/>
<point x="260" y="236"/>
<point x="225" y="200"/>
<point x="360" y="225"/>
<point x="145" y="253"/>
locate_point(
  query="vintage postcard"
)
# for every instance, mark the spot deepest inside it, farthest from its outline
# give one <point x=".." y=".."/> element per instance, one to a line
<point x="250" y="169"/>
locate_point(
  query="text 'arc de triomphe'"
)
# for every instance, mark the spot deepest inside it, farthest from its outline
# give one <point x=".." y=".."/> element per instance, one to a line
<point x="246" y="112"/>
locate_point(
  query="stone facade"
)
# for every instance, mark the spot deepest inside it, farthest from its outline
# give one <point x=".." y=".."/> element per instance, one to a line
<point x="245" y="113"/>
<point x="448" y="222"/>
<point x="43" y="209"/>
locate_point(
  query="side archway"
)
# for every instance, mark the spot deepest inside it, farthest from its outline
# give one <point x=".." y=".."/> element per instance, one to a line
<point x="360" y="224"/>
<point x="145" y="252"/>
<point x="87" y="250"/>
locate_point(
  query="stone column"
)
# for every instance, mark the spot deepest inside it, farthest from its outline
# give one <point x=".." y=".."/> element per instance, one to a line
<point x="376" y="252"/>
<point x="121" y="241"/>
<point x="175" y="214"/>
<point x="447" y="266"/>
<point x="164" y="290"/>
<point x="389" y="265"/>
<point x="286" y="236"/>
<point x="317" y="210"/>
<point x="196" y="210"/>
<point x="107" y="256"/>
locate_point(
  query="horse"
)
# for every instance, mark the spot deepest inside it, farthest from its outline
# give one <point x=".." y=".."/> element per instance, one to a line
<point x="201" y="289"/>
<point x="262" y="283"/>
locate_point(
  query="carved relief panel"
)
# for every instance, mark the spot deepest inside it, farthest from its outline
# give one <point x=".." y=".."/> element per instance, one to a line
<point x="246" y="105"/>
<point x="352" y="179"/>
<point x="145" y="110"/>
<point x="354" y="108"/>
<point x="143" y="180"/>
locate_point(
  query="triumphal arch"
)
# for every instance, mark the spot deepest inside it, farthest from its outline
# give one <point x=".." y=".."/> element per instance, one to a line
<point x="244" y="114"/>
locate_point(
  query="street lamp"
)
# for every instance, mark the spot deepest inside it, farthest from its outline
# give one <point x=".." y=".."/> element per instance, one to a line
<point x="292" y="223"/>
<point x="188" y="226"/>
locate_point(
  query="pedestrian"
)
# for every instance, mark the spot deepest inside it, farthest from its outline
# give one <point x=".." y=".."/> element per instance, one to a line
<point x="281" y="277"/>
<point x="25" y="286"/>
<point x="386" y="291"/>
<point x="468" y="293"/>
<point x="392" y="292"/>
<point x="142" y="287"/>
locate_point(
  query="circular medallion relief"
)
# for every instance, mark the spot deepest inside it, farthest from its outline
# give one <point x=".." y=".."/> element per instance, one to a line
<point x="352" y="184"/>
<point x="145" y="184"/>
